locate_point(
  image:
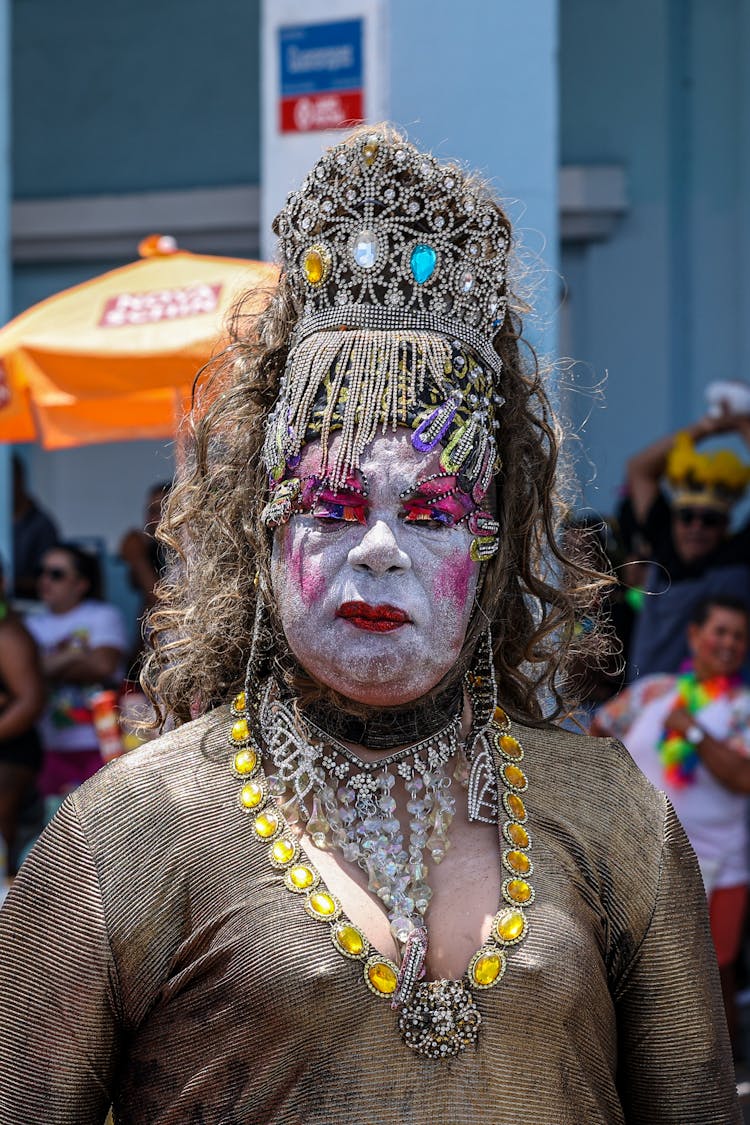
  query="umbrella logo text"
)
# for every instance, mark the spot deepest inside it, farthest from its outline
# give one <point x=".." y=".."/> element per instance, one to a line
<point x="159" y="304"/>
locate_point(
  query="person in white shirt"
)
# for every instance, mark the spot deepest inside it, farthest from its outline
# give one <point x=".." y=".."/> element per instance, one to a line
<point x="690" y="735"/>
<point x="83" y="642"/>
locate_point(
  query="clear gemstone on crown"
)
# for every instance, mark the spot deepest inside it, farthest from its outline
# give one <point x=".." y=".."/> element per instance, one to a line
<point x="365" y="249"/>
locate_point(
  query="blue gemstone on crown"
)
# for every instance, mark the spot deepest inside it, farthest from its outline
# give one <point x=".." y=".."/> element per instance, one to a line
<point x="422" y="262"/>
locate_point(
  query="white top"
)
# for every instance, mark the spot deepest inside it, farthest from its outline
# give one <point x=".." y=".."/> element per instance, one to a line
<point x="66" y="723"/>
<point x="714" y="818"/>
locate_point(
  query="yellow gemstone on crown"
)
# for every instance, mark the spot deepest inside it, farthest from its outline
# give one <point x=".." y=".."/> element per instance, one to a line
<point x="510" y="746"/>
<point x="515" y="776"/>
<point x="350" y="940"/>
<point x="322" y="904"/>
<point x="302" y="877"/>
<point x="510" y="926"/>
<point x="251" y="795"/>
<point x="382" y="977"/>
<point x="316" y="265"/>
<point x="283" y="850"/>
<point x="245" y="761"/>
<point x="239" y="702"/>
<point x="487" y="969"/>
<point x="519" y="890"/>
<point x="240" y="731"/>
<point x="515" y="805"/>
<point x="266" y="824"/>
<point x="518" y="835"/>
<point x="519" y="861"/>
<point x="369" y="152"/>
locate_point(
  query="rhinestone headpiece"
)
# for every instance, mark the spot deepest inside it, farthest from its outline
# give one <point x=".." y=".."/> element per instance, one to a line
<point x="397" y="264"/>
<point x="380" y="235"/>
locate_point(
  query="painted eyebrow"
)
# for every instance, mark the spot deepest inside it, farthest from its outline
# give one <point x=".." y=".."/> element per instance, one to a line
<point x="353" y="498"/>
<point x="441" y="484"/>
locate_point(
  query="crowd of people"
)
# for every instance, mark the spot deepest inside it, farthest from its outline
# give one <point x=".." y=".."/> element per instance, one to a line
<point x="66" y="656"/>
<point x="676" y="685"/>
<point x="351" y="659"/>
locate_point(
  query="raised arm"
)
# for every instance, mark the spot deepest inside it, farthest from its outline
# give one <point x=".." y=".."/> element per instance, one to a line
<point x="58" y="1000"/>
<point x="646" y="469"/>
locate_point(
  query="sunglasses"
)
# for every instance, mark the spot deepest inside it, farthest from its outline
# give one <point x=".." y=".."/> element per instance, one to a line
<point x="56" y="573"/>
<point x="704" y="516"/>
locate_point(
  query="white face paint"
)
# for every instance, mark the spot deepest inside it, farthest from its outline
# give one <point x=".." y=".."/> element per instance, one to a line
<point x="376" y="609"/>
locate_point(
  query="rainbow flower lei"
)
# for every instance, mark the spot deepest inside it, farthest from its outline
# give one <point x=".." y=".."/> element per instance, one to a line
<point x="678" y="756"/>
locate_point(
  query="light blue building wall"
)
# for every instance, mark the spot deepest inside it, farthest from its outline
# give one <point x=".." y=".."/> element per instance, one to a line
<point x="151" y="94"/>
<point x="660" y="87"/>
<point x="479" y="82"/>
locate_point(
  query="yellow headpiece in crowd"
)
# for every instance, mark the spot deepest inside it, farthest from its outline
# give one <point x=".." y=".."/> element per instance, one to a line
<point x="712" y="480"/>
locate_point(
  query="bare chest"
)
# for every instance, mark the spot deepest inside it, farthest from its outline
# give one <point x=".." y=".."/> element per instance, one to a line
<point x="466" y="895"/>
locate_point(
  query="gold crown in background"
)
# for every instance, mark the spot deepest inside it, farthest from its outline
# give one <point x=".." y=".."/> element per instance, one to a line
<point x="716" y="479"/>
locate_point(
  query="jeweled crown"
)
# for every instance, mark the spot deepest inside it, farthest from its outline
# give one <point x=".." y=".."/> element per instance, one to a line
<point x="383" y="236"/>
<point x="717" y="479"/>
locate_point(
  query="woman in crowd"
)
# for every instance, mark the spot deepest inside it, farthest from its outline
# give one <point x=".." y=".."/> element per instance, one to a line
<point x="83" y="644"/>
<point x="690" y="734"/>
<point x="370" y="883"/>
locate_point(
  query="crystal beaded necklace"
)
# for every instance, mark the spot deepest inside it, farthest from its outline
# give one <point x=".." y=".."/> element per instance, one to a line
<point x="348" y="803"/>
<point x="440" y="1018"/>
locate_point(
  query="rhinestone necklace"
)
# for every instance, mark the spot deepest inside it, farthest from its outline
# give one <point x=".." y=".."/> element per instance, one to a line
<point x="390" y="727"/>
<point x="438" y="1019"/>
<point x="349" y="804"/>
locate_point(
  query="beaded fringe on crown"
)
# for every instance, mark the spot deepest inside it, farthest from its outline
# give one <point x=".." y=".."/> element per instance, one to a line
<point x="369" y="379"/>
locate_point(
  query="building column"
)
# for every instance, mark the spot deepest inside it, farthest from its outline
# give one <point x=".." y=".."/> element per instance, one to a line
<point x="479" y="82"/>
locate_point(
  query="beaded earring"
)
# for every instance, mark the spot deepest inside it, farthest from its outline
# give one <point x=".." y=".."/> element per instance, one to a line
<point x="482" y="687"/>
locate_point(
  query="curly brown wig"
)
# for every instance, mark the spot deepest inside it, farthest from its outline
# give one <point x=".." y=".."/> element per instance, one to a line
<point x="200" y="631"/>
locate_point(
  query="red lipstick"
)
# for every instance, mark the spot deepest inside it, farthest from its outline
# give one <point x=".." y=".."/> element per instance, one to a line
<point x="373" y="618"/>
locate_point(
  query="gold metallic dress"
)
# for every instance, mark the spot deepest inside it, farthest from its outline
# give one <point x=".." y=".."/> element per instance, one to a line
<point x="150" y="957"/>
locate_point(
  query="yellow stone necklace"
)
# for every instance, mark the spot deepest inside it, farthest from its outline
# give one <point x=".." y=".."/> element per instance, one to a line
<point x="438" y="1019"/>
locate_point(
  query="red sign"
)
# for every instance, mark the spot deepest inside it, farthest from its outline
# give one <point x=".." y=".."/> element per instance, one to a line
<point x="160" y="304"/>
<point x="321" y="72"/>
<point x="312" y="112"/>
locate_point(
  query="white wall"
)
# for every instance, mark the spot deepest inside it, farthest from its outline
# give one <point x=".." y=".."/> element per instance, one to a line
<point x="478" y="81"/>
<point x="98" y="490"/>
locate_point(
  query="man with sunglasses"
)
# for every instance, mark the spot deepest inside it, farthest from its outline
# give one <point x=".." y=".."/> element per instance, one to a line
<point x="693" y="553"/>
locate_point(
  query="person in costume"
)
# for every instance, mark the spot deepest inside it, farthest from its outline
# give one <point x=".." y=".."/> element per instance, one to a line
<point x="370" y="882"/>
<point x="690" y="734"/>
<point x="693" y="553"/>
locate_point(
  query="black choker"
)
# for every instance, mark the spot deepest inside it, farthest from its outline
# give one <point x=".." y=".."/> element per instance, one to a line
<point x="390" y="727"/>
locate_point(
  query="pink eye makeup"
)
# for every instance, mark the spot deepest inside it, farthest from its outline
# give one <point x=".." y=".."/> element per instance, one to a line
<point x="414" y="513"/>
<point x="448" y="509"/>
<point x="346" y="504"/>
<point x="431" y="488"/>
<point x="437" y="499"/>
<point x="348" y="513"/>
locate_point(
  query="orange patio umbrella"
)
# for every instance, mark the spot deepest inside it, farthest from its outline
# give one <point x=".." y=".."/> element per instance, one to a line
<point x="114" y="358"/>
